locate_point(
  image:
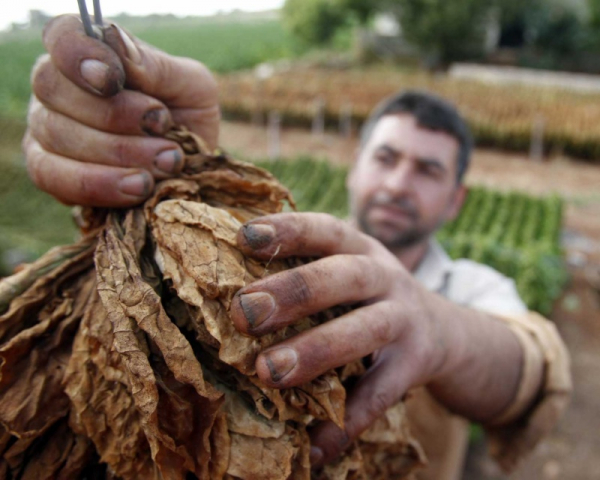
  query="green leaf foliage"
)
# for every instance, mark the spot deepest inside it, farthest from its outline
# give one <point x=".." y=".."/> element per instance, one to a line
<point x="444" y="30"/>
<point x="315" y="22"/>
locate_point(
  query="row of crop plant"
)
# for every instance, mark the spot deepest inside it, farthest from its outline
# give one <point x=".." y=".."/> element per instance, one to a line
<point x="500" y="116"/>
<point x="517" y="234"/>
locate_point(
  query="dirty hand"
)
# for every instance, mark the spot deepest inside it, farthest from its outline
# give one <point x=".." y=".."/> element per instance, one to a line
<point x="355" y="268"/>
<point x="470" y="362"/>
<point x="99" y="108"/>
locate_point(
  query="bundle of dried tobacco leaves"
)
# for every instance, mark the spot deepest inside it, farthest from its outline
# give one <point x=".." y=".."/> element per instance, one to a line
<point x="118" y="358"/>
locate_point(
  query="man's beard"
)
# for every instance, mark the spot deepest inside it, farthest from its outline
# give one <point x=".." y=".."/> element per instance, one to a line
<point x="400" y="238"/>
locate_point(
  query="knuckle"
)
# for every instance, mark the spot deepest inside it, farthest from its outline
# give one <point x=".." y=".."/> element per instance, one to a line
<point x="111" y="115"/>
<point x="26" y="143"/>
<point x="381" y="329"/>
<point x="373" y="246"/>
<point x="332" y="222"/>
<point x="32" y="161"/>
<point x="299" y="291"/>
<point x="210" y="86"/>
<point x="45" y="126"/>
<point x="363" y="277"/>
<point x="293" y="230"/>
<point x="338" y="229"/>
<point x="310" y="226"/>
<point x="44" y="79"/>
<point x="34" y="113"/>
<point x="118" y="111"/>
<point x="380" y="402"/>
<point x="121" y="151"/>
<point x="86" y="190"/>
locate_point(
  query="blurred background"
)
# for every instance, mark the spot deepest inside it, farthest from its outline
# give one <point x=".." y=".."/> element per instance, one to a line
<point x="298" y="77"/>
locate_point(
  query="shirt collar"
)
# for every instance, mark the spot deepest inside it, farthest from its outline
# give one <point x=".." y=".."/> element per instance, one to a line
<point x="434" y="268"/>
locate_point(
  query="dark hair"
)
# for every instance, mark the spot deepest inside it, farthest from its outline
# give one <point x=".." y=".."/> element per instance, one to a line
<point x="431" y="112"/>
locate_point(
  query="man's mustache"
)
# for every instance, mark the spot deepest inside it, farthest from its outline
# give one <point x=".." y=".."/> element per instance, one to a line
<point x="403" y="204"/>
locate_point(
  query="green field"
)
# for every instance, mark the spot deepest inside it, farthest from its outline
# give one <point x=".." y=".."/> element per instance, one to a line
<point x="17" y="56"/>
<point x="223" y="47"/>
<point x="30" y="221"/>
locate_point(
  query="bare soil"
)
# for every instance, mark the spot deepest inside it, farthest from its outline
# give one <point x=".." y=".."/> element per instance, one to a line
<point x="571" y="452"/>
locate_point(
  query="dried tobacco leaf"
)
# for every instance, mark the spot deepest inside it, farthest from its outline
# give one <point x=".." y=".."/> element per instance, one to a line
<point x="118" y="358"/>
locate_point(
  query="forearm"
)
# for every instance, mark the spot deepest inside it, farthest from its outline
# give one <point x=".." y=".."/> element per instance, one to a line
<point x="483" y="366"/>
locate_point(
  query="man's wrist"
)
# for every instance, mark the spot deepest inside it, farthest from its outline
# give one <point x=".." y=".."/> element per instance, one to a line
<point x="483" y="361"/>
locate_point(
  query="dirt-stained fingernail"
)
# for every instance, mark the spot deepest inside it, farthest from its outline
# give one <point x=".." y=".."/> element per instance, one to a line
<point x="281" y="362"/>
<point x="169" y="161"/>
<point x="136" y="184"/>
<point x="316" y="456"/>
<point x="132" y="51"/>
<point x="156" y="121"/>
<point x="95" y="73"/>
<point x="257" y="307"/>
<point x="258" y="235"/>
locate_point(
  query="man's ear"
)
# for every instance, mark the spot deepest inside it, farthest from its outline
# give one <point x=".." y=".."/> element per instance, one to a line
<point x="458" y="200"/>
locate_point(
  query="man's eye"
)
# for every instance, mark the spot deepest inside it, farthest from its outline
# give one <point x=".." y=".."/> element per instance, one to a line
<point x="385" y="160"/>
<point x="431" y="171"/>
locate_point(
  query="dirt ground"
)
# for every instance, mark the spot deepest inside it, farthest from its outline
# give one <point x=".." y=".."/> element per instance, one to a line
<point x="571" y="452"/>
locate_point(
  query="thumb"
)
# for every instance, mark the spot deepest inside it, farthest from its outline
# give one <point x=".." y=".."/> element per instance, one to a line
<point x="378" y="390"/>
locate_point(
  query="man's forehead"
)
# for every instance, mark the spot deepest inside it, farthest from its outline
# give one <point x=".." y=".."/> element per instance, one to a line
<point x="402" y="133"/>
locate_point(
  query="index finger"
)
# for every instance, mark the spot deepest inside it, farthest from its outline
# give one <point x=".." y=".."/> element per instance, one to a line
<point x="301" y="234"/>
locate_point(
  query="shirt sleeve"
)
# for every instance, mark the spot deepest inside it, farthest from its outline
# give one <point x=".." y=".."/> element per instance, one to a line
<point x="537" y="407"/>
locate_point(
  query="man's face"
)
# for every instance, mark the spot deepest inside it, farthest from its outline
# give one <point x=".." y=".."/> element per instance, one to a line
<point x="403" y="186"/>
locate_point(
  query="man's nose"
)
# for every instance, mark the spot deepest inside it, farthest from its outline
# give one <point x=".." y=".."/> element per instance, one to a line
<point x="400" y="180"/>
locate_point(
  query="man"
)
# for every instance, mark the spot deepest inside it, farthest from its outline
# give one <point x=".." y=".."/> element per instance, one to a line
<point x="454" y="335"/>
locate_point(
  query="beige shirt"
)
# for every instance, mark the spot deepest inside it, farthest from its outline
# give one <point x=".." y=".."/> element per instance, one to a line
<point x="444" y="436"/>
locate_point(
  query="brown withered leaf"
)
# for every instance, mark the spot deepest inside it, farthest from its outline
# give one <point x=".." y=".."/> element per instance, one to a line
<point x="56" y="454"/>
<point x="30" y="290"/>
<point x="387" y="448"/>
<point x="118" y="358"/>
<point x="165" y="376"/>
<point x="102" y="406"/>
<point x="64" y="456"/>
<point x="264" y="458"/>
<point x="33" y="362"/>
<point x="349" y="467"/>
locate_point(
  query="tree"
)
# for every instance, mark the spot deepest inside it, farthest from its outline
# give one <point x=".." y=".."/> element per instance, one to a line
<point x="312" y="21"/>
<point x="444" y="30"/>
<point x="594" y="6"/>
<point x="516" y="18"/>
<point x="360" y="10"/>
<point x="560" y="32"/>
<point x="594" y="23"/>
<point x="316" y="21"/>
